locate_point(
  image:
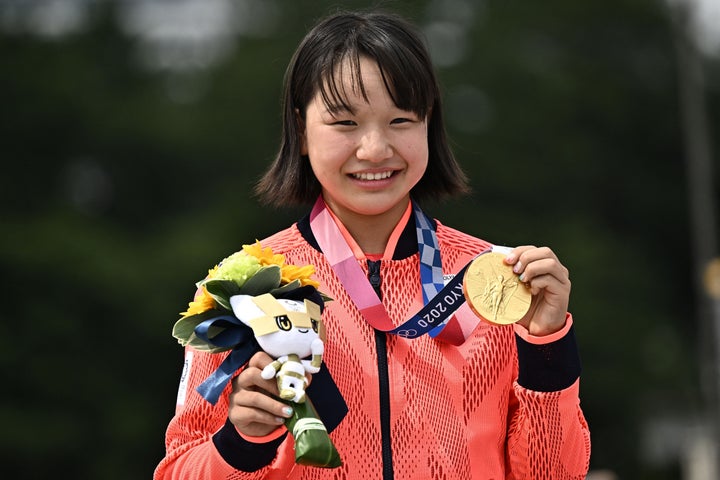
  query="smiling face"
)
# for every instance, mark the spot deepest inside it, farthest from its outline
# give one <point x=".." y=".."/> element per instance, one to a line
<point x="366" y="157"/>
<point x="281" y="326"/>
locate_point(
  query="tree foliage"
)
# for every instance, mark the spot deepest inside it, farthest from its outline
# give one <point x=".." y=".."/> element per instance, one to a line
<point x="122" y="184"/>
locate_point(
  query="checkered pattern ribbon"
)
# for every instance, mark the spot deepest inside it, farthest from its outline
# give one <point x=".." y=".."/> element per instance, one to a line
<point x="431" y="273"/>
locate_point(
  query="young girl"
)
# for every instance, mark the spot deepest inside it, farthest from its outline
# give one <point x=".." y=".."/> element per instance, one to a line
<point x="364" y="142"/>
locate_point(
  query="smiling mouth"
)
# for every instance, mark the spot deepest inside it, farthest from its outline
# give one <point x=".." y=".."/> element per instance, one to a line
<point x="372" y="176"/>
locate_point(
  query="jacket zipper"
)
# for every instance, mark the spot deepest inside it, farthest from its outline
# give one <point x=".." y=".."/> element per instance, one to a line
<point x="383" y="380"/>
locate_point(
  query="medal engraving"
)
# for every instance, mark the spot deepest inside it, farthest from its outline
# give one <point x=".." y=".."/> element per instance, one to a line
<point x="494" y="292"/>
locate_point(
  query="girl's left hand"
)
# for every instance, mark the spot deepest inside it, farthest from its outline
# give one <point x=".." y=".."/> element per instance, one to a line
<point x="549" y="283"/>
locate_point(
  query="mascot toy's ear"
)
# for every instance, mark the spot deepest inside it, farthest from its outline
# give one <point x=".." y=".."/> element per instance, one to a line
<point x="245" y="309"/>
<point x="322" y="332"/>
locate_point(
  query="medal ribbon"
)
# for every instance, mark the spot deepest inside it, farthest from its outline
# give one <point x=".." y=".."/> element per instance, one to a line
<point x="440" y="300"/>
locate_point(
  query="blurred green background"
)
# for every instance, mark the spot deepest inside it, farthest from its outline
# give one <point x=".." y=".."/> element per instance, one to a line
<point x="131" y="133"/>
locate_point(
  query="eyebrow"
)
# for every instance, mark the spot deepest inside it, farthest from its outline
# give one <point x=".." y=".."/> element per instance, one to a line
<point x="336" y="108"/>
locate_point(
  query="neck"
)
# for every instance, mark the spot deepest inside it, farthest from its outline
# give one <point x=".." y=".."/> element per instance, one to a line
<point x="371" y="232"/>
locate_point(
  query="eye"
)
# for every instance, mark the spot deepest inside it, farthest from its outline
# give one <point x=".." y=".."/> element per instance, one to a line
<point x="396" y="121"/>
<point x="314" y="324"/>
<point x="283" y="322"/>
<point x="345" y="123"/>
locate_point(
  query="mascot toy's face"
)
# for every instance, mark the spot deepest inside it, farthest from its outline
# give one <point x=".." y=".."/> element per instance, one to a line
<point x="281" y="327"/>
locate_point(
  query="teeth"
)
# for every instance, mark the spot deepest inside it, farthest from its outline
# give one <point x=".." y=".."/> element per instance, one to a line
<point x="372" y="176"/>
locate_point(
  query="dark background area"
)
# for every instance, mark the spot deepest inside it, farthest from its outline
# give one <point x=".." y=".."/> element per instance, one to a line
<point x="131" y="134"/>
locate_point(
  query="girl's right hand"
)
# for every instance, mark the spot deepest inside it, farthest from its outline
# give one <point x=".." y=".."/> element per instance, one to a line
<point x="252" y="409"/>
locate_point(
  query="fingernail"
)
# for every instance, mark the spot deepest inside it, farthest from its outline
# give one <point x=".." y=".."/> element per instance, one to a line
<point x="517" y="267"/>
<point x="510" y="258"/>
<point x="522" y="277"/>
<point x="279" y="420"/>
<point x="288" y="411"/>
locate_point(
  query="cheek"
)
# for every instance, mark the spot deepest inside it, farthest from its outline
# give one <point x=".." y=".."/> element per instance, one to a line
<point x="416" y="150"/>
<point x="329" y="153"/>
<point x="319" y="166"/>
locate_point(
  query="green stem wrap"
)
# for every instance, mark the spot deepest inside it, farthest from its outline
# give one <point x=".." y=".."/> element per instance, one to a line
<point x="313" y="446"/>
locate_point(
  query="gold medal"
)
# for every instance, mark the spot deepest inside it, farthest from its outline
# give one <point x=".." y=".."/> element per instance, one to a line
<point x="494" y="292"/>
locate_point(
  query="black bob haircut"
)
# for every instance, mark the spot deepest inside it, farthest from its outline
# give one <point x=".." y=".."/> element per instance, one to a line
<point x="339" y="41"/>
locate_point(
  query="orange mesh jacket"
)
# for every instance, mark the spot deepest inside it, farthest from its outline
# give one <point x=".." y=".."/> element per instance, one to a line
<point x="464" y="412"/>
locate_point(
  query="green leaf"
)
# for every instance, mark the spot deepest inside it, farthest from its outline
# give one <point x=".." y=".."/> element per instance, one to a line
<point x="287" y="287"/>
<point x="184" y="328"/>
<point x="200" y="344"/>
<point x="184" y="331"/>
<point x="221" y="291"/>
<point x="265" y="280"/>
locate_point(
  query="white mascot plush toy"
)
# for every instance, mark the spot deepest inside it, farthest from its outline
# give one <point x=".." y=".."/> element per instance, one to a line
<point x="289" y="331"/>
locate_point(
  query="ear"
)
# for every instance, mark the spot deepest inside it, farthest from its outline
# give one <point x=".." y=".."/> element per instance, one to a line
<point x="244" y="308"/>
<point x="302" y="132"/>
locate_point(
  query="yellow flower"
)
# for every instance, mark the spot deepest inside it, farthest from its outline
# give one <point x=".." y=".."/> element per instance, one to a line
<point x="202" y="302"/>
<point x="288" y="273"/>
<point x="212" y="272"/>
<point x="264" y="255"/>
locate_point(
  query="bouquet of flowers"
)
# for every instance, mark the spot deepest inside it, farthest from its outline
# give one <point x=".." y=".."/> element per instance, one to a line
<point x="253" y="301"/>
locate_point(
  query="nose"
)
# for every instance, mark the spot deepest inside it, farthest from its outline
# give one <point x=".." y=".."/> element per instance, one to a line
<point x="374" y="146"/>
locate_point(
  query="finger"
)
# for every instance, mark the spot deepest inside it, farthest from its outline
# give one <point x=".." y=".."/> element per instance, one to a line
<point x="251" y="380"/>
<point x="512" y="257"/>
<point x="527" y="253"/>
<point x="541" y="260"/>
<point x="251" y="374"/>
<point x="522" y="255"/>
<point x="543" y="266"/>
<point x="254" y="423"/>
<point x="260" y="360"/>
<point x="550" y="285"/>
<point x="248" y="407"/>
<point x="252" y="408"/>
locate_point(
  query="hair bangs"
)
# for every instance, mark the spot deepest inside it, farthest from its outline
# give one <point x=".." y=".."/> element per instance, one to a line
<point x="405" y="82"/>
<point x="333" y="84"/>
<point x="404" y="69"/>
<point x="409" y="90"/>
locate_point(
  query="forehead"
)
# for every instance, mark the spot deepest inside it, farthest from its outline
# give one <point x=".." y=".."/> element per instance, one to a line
<point x="349" y="81"/>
